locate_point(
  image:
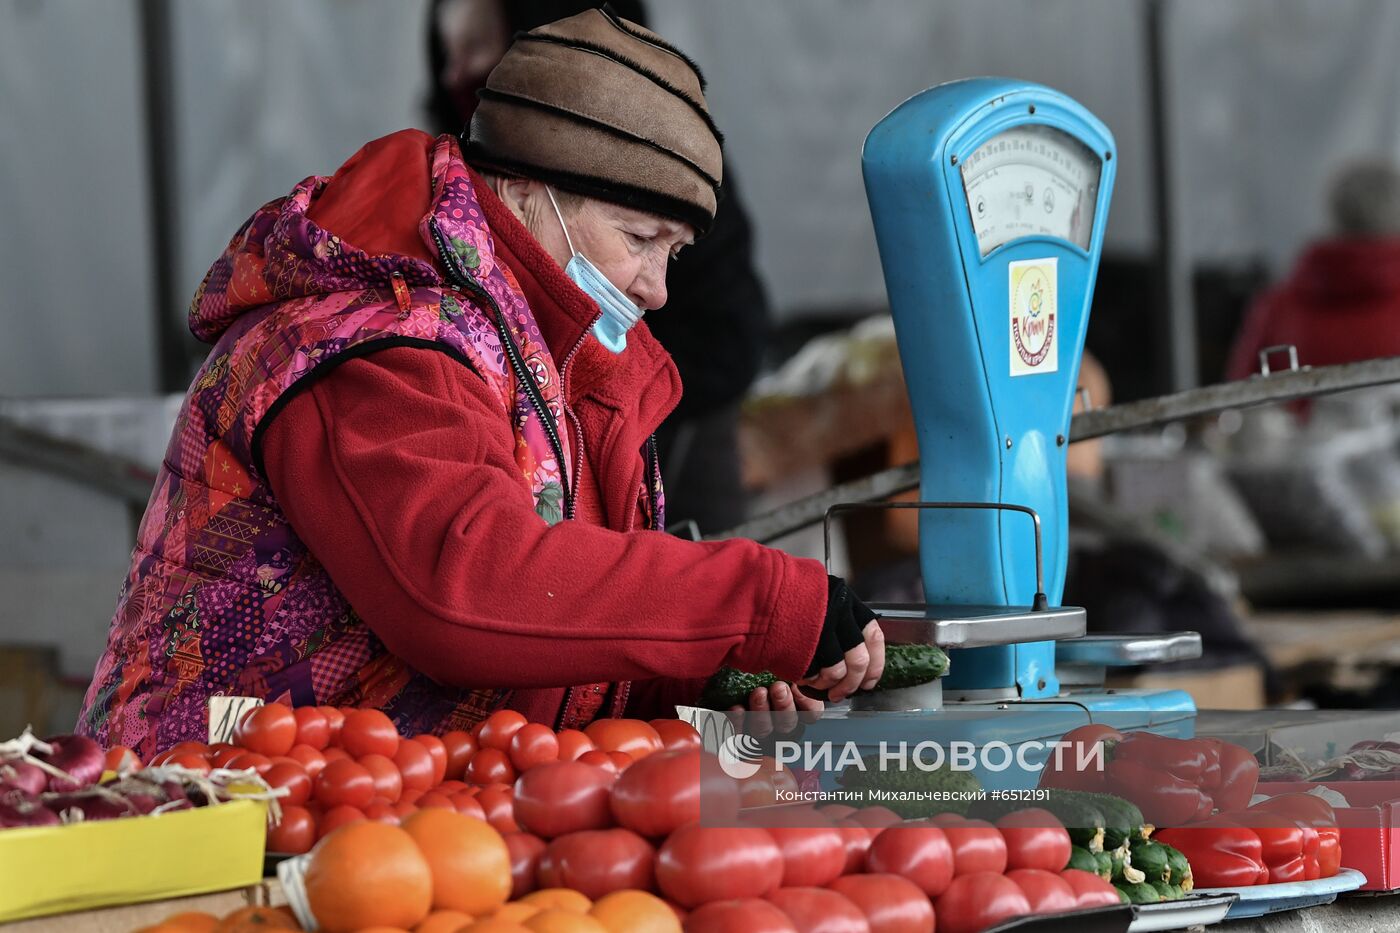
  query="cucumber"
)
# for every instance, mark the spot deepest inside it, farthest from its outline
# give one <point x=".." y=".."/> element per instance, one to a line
<point x="1167" y="892"/>
<point x="1140" y="893"/>
<point x="1180" y="868"/>
<point x="905" y="666"/>
<point x="1105" y="863"/>
<point x="1082" y="859"/>
<point x="1151" y="859"/>
<point x="1123" y="869"/>
<point x="912" y="665"/>
<point x="1122" y="820"/>
<point x="729" y="687"/>
<point x="1084" y="821"/>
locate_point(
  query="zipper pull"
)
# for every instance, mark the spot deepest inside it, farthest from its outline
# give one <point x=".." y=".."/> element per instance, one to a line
<point x="402" y="295"/>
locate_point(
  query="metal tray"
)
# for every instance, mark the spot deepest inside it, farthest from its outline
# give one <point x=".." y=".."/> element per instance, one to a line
<point x="1190" y="911"/>
<point x="1264" y="899"/>
<point x="976" y="626"/>
<point x="1126" y="650"/>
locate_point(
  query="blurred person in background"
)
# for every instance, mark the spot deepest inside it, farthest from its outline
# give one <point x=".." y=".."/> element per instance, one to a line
<point x="716" y="321"/>
<point x="415" y="472"/>
<point x="1341" y="302"/>
<point x="1325" y="472"/>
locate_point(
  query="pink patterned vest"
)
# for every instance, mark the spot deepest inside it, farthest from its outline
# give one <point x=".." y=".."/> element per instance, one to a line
<point x="222" y="597"/>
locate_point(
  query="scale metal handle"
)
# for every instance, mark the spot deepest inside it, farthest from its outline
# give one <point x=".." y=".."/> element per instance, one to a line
<point x="1267" y="354"/>
<point x="1040" y="604"/>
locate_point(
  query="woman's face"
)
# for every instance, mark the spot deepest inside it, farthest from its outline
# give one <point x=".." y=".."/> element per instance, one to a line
<point x="632" y="248"/>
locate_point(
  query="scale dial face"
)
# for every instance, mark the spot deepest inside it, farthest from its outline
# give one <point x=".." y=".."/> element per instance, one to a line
<point x="1031" y="180"/>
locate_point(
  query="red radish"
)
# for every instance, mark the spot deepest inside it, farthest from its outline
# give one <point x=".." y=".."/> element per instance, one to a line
<point x="92" y="806"/>
<point x="17" y="810"/>
<point x="173" y="788"/>
<point x="143" y="803"/>
<point x="77" y="755"/>
<point x="22" y="776"/>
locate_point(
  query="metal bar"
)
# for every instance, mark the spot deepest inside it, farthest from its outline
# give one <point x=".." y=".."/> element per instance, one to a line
<point x="1176" y="298"/>
<point x="158" y="85"/>
<point x="1256" y="390"/>
<point x="129" y="481"/>
<point x="801" y="513"/>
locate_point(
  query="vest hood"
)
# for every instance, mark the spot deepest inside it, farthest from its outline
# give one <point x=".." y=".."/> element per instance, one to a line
<point x="379" y="205"/>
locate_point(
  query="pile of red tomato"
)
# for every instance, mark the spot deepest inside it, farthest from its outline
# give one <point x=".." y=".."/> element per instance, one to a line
<point x="831" y="869"/>
<point x="618" y="806"/>
<point x="337" y="766"/>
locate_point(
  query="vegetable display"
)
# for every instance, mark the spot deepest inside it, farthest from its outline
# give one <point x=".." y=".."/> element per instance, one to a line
<point x="628" y="822"/>
<point x="619" y="841"/>
<point x="786" y="871"/>
<point x="1197" y="793"/>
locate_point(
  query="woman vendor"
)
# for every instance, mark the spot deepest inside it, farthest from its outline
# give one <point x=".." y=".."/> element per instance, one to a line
<point x="416" y="470"/>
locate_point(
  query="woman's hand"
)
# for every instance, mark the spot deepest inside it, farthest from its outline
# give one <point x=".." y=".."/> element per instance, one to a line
<point x="782" y="697"/>
<point x="860" y="669"/>
<point x="786" y="704"/>
<point x="850" y="653"/>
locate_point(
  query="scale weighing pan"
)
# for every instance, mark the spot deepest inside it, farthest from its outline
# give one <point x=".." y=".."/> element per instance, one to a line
<point x="957" y="626"/>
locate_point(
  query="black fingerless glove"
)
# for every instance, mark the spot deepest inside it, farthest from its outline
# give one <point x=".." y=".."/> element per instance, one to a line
<point x="846" y="619"/>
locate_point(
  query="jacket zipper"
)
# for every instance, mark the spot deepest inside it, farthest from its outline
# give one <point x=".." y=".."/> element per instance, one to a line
<point x="569" y="411"/>
<point x="462" y="280"/>
<point x="517" y="363"/>
<point x="653" y="458"/>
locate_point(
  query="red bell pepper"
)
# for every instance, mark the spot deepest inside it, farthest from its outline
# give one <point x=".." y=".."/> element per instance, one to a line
<point x="1089" y="744"/>
<point x="1222" y="854"/>
<point x="1237" y="778"/>
<point x="1311" y="847"/>
<point x="1180" y="781"/>
<point x="1184" y="759"/>
<point x="1283" y="843"/>
<point x="1313" y="813"/>
<point x="1309" y="809"/>
<point x="1164" y="798"/>
<point x="1329" y="851"/>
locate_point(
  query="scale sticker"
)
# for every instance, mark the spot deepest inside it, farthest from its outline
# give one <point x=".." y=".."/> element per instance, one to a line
<point x="1034" y="296"/>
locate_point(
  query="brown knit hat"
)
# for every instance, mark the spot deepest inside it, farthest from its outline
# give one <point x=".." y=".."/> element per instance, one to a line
<point x="600" y="106"/>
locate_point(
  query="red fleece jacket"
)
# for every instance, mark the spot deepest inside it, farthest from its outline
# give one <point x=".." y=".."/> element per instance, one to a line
<point x="397" y="470"/>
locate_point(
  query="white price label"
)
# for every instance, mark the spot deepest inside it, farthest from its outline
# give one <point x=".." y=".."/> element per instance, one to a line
<point x="224" y="713"/>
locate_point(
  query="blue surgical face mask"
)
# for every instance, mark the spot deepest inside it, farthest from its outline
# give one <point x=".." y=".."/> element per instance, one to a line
<point x="619" y="313"/>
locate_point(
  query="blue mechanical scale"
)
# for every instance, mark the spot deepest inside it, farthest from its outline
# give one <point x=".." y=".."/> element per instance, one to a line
<point x="990" y="198"/>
